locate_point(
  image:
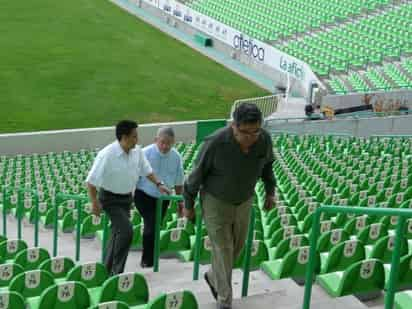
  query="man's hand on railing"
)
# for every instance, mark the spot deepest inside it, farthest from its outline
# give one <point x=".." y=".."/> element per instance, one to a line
<point x="190" y="214"/>
<point x="270" y="202"/>
<point x="180" y="209"/>
<point x="164" y="190"/>
<point x="96" y="208"/>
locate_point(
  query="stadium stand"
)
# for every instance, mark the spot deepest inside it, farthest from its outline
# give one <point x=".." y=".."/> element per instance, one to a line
<point x="311" y="170"/>
<point x="354" y="46"/>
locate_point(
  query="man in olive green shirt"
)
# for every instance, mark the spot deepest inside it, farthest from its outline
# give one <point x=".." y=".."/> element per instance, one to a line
<point x="228" y="166"/>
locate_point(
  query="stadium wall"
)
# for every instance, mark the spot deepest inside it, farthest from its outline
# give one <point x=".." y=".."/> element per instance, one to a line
<point x="90" y="138"/>
<point x="74" y="140"/>
<point x="382" y="98"/>
<point x="396" y="125"/>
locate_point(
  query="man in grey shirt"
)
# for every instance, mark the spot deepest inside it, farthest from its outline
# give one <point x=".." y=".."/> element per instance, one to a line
<point x="226" y="171"/>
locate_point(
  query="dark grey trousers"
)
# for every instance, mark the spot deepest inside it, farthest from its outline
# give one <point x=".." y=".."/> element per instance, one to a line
<point x="117" y="208"/>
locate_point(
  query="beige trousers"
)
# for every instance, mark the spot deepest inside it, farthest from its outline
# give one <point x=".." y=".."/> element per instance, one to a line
<point x="227" y="227"/>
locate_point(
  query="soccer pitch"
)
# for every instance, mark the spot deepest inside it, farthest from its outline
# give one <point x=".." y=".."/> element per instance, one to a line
<point x="87" y="63"/>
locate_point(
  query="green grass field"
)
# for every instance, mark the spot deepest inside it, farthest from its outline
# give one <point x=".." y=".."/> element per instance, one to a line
<point x="87" y="63"/>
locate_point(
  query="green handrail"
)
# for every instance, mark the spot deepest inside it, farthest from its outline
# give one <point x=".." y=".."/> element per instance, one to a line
<point x="159" y="203"/>
<point x="104" y="237"/>
<point x="19" y="215"/>
<point x="36" y="214"/>
<point x="198" y="240"/>
<point x="77" y="198"/>
<point x="5" y="194"/>
<point x="401" y="213"/>
<point x="55" y="223"/>
<point x="248" y="247"/>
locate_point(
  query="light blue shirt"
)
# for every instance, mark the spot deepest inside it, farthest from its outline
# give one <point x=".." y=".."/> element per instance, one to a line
<point x="167" y="168"/>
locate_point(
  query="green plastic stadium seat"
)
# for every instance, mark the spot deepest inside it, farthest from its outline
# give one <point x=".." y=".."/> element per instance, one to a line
<point x="372" y="233"/>
<point x="10" y="248"/>
<point x="58" y="267"/>
<point x="65" y="295"/>
<point x="10" y="299"/>
<point x="8" y="272"/>
<point x="130" y="288"/>
<point x="342" y="255"/>
<point x="330" y="239"/>
<point x="31" y="258"/>
<point x="174" y="240"/>
<point x="31" y="284"/>
<point x="280" y="234"/>
<point x="365" y="279"/>
<point x="292" y="265"/>
<point x="259" y="254"/>
<point x="205" y="251"/>
<point x="93" y="275"/>
<point x="91" y="224"/>
<point x="286" y="245"/>
<point x="384" y="247"/>
<point x="178" y="300"/>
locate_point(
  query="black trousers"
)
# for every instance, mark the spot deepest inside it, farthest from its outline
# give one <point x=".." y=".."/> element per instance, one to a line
<point x="146" y="205"/>
<point x="117" y="208"/>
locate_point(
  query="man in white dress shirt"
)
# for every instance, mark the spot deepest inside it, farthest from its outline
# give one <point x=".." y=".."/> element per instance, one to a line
<point x="111" y="181"/>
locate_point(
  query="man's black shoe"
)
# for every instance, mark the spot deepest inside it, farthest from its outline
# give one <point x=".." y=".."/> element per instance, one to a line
<point x="212" y="289"/>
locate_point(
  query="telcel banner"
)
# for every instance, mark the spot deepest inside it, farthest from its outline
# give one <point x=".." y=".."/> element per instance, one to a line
<point x="255" y="49"/>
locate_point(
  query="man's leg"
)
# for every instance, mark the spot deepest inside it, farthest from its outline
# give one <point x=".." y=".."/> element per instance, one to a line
<point x="122" y="234"/>
<point x="218" y="218"/>
<point x="147" y="208"/>
<point x="240" y="227"/>
<point x="108" y="260"/>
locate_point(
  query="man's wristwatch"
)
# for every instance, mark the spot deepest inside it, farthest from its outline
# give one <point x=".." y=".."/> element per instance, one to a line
<point x="160" y="183"/>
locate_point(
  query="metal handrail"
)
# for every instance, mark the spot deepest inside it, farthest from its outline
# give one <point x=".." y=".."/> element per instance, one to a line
<point x="158" y="222"/>
<point x="403" y="214"/>
<point x="64" y="197"/>
<point x="19" y="214"/>
<point x="198" y="237"/>
<point x="267" y="104"/>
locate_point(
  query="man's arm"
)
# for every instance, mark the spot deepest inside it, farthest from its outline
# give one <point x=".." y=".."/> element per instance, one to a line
<point x="94" y="180"/>
<point x="96" y="207"/>
<point x="196" y="177"/>
<point x="268" y="177"/>
<point x="162" y="188"/>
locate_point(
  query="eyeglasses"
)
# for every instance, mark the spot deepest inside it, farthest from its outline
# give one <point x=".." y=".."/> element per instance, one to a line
<point x="250" y="133"/>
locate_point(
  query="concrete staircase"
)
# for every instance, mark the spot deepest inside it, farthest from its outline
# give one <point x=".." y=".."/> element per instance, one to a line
<point x="174" y="275"/>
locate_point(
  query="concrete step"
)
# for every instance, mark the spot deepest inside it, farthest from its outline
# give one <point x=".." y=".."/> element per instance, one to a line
<point x="388" y="78"/>
<point x="404" y="72"/>
<point x="345" y="81"/>
<point x="291" y="297"/>
<point x="367" y="80"/>
<point x="175" y="275"/>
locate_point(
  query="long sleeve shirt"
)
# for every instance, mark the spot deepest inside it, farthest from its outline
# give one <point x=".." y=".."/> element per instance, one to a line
<point x="227" y="173"/>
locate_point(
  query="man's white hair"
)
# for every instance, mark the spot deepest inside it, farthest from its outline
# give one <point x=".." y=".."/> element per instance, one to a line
<point x="165" y="131"/>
